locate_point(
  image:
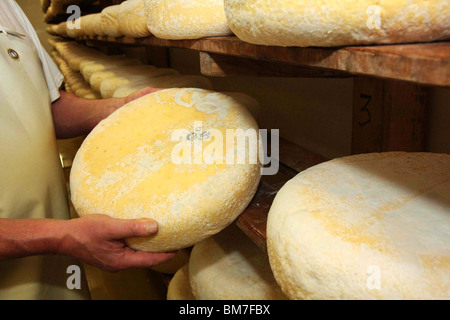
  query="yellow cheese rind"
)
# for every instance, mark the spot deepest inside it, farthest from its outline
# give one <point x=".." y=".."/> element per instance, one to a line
<point x="110" y="22"/>
<point x="173" y="265"/>
<point x="326" y="23"/>
<point x="228" y="266"/>
<point x="124" y="168"/>
<point x="179" y="287"/>
<point x="186" y="19"/>
<point x="371" y="226"/>
<point x="132" y="19"/>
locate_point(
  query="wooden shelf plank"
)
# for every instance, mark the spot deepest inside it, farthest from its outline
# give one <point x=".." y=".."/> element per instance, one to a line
<point x="425" y="63"/>
<point x="253" y="220"/>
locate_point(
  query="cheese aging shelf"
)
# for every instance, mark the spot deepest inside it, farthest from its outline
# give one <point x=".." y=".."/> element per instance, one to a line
<point x="391" y="93"/>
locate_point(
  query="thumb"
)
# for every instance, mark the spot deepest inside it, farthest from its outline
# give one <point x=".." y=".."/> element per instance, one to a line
<point x="123" y="228"/>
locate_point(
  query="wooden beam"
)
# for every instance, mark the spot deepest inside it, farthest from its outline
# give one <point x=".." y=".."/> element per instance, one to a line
<point x="218" y="65"/>
<point x="424" y="63"/>
<point x="388" y="116"/>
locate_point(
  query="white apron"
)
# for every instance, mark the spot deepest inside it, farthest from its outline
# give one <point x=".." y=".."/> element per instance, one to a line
<point x="31" y="179"/>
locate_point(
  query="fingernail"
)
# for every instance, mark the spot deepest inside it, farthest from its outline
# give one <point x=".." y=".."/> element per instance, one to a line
<point x="151" y="227"/>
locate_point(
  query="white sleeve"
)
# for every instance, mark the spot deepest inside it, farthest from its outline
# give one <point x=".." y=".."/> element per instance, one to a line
<point x="53" y="76"/>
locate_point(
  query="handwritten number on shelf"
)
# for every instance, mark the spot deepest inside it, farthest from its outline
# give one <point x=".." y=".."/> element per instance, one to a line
<point x="366" y="109"/>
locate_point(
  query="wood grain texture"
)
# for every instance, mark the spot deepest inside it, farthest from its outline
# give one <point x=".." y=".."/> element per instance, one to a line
<point x="388" y="116"/>
<point x="426" y="63"/>
<point x="218" y="65"/>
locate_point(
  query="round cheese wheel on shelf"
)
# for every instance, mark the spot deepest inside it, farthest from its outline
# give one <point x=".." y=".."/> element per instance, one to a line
<point x="178" y="81"/>
<point x="186" y="19"/>
<point x="229" y="266"/>
<point x="98" y="77"/>
<point x="109" y="86"/>
<point x="179" y="287"/>
<point x="97" y="25"/>
<point x="132" y="19"/>
<point x="136" y="164"/>
<point x="372" y="226"/>
<point x="174" y="264"/>
<point x="328" y="23"/>
<point x="110" y="22"/>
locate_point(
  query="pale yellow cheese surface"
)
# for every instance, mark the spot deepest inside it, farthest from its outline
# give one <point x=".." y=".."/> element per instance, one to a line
<point x="337" y="23"/>
<point x="228" y="266"/>
<point x="373" y="226"/>
<point x="125" y="168"/>
<point x="179" y="287"/>
<point x="186" y="19"/>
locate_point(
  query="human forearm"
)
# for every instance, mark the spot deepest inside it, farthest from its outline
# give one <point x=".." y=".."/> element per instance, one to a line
<point x="94" y="239"/>
<point x="74" y="116"/>
<point x="26" y="237"/>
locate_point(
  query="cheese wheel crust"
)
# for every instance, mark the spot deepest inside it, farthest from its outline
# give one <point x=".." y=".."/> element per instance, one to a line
<point x="186" y="19"/>
<point x="125" y="168"/>
<point x="326" y="23"/>
<point x="229" y="266"/>
<point x="371" y="226"/>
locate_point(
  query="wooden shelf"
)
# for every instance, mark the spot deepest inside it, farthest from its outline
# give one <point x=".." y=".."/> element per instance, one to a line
<point x="426" y="63"/>
<point x="293" y="159"/>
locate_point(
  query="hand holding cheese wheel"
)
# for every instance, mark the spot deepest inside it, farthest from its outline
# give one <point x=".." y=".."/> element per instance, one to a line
<point x="371" y="226"/>
<point x="126" y="167"/>
<point x="326" y="23"/>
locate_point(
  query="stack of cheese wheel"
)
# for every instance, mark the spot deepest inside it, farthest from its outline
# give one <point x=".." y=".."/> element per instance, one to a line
<point x="338" y="23"/>
<point x="372" y="226"/>
<point x="88" y="68"/>
<point x="75" y="82"/>
<point x="186" y="19"/>
<point x="136" y="164"/>
<point x="87" y="24"/>
<point x="97" y="25"/>
<point x="110" y="22"/>
<point x="132" y="19"/>
<point x="179" y="287"/>
<point x="178" y="81"/>
<point x="228" y="266"/>
<point x="109" y="86"/>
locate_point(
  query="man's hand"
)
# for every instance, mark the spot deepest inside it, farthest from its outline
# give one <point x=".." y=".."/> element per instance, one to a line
<point x="99" y="241"/>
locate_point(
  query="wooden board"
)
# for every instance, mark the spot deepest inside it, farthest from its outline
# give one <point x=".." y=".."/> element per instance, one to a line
<point x="293" y="159"/>
<point x="388" y="116"/>
<point x="218" y="65"/>
<point x="426" y="63"/>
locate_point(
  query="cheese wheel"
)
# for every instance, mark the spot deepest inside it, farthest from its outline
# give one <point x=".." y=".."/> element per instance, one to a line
<point x="109" y="21"/>
<point x="179" y="81"/>
<point x="98" y="77"/>
<point x="104" y="64"/>
<point x="228" y="266"/>
<point x="372" y="226"/>
<point x="328" y="23"/>
<point x="87" y="24"/>
<point x="174" y="264"/>
<point x="62" y="29"/>
<point x="109" y="86"/>
<point x="97" y="25"/>
<point x="132" y="19"/>
<point x="186" y="19"/>
<point x="133" y="165"/>
<point x="179" y="287"/>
